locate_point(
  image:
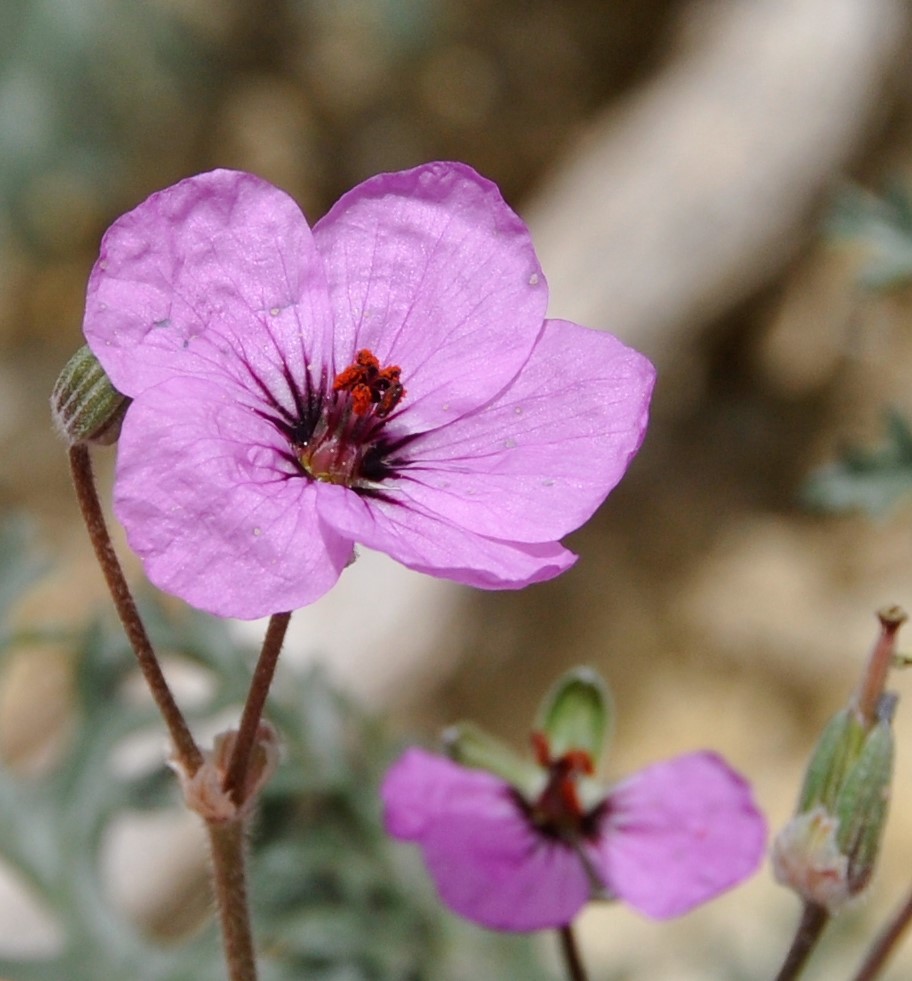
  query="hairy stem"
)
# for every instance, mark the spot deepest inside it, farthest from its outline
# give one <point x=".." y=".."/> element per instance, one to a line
<point x="571" y="954"/>
<point x="236" y="774"/>
<point x="186" y="751"/>
<point x="229" y="859"/>
<point x="883" y="947"/>
<point x="227" y="838"/>
<point x="814" y="919"/>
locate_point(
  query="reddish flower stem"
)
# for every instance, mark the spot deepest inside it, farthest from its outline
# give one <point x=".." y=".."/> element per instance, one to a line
<point x="570" y="951"/>
<point x="236" y="774"/>
<point x="885" y="944"/>
<point x="186" y="751"/>
<point x="814" y="919"/>
<point x="881" y="660"/>
<point x="229" y="857"/>
<point x="229" y="860"/>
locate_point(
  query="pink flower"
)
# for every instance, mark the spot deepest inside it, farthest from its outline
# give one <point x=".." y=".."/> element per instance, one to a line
<point x="665" y="840"/>
<point x="388" y="378"/>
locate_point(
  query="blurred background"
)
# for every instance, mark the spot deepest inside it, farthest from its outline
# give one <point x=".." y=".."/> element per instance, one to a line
<point x="677" y="161"/>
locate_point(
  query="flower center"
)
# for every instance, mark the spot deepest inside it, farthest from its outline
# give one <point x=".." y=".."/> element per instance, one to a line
<point x="343" y="447"/>
<point x="558" y="810"/>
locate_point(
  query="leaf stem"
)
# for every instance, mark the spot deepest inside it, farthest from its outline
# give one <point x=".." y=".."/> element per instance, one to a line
<point x="571" y="954"/>
<point x="229" y="860"/>
<point x="236" y="774"/>
<point x="883" y="947"/>
<point x="814" y="919"/>
<point x="186" y="751"/>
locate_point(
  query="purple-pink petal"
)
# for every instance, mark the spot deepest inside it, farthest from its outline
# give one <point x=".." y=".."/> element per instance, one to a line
<point x="431" y="270"/>
<point x="218" y="273"/>
<point x="679" y="833"/>
<point x="535" y="463"/>
<point x="486" y="860"/>
<point x="203" y="493"/>
<point x="433" y="544"/>
<point x="421" y="786"/>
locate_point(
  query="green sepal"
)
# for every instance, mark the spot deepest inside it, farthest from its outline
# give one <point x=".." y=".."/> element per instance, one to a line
<point x="577" y="714"/>
<point x="472" y="746"/>
<point x="861" y="806"/>
<point x="838" y="746"/>
<point x="85" y="406"/>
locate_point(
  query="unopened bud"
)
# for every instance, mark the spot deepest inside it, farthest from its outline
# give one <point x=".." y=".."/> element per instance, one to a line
<point x="827" y="852"/>
<point x="861" y="807"/>
<point x="837" y="747"/>
<point x="85" y="406"/>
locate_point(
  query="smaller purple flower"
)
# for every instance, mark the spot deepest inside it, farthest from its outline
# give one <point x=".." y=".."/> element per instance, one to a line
<point x="665" y="840"/>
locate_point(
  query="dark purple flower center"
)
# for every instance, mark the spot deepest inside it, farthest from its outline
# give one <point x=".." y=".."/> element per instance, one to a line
<point x="338" y="434"/>
<point x="364" y="394"/>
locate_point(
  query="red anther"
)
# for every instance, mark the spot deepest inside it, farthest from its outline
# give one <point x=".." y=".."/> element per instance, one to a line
<point x="361" y="398"/>
<point x="369" y="384"/>
<point x="573" y="761"/>
<point x="393" y="393"/>
<point x="579" y="761"/>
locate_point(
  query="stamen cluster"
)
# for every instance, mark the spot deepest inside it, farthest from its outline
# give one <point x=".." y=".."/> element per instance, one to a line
<point x="558" y="810"/>
<point x="370" y="384"/>
<point x="344" y="446"/>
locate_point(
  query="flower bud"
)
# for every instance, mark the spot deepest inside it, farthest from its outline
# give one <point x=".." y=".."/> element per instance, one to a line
<point x="838" y="745"/>
<point x="85" y="406"/>
<point x="826" y="853"/>
<point x="861" y="806"/>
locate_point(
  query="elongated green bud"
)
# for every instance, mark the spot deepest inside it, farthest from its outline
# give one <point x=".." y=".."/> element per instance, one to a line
<point x="837" y="747"/>
<point x="85" y="406"/>
<point x="827" y="852"/>
<point x="861" y="807"/>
